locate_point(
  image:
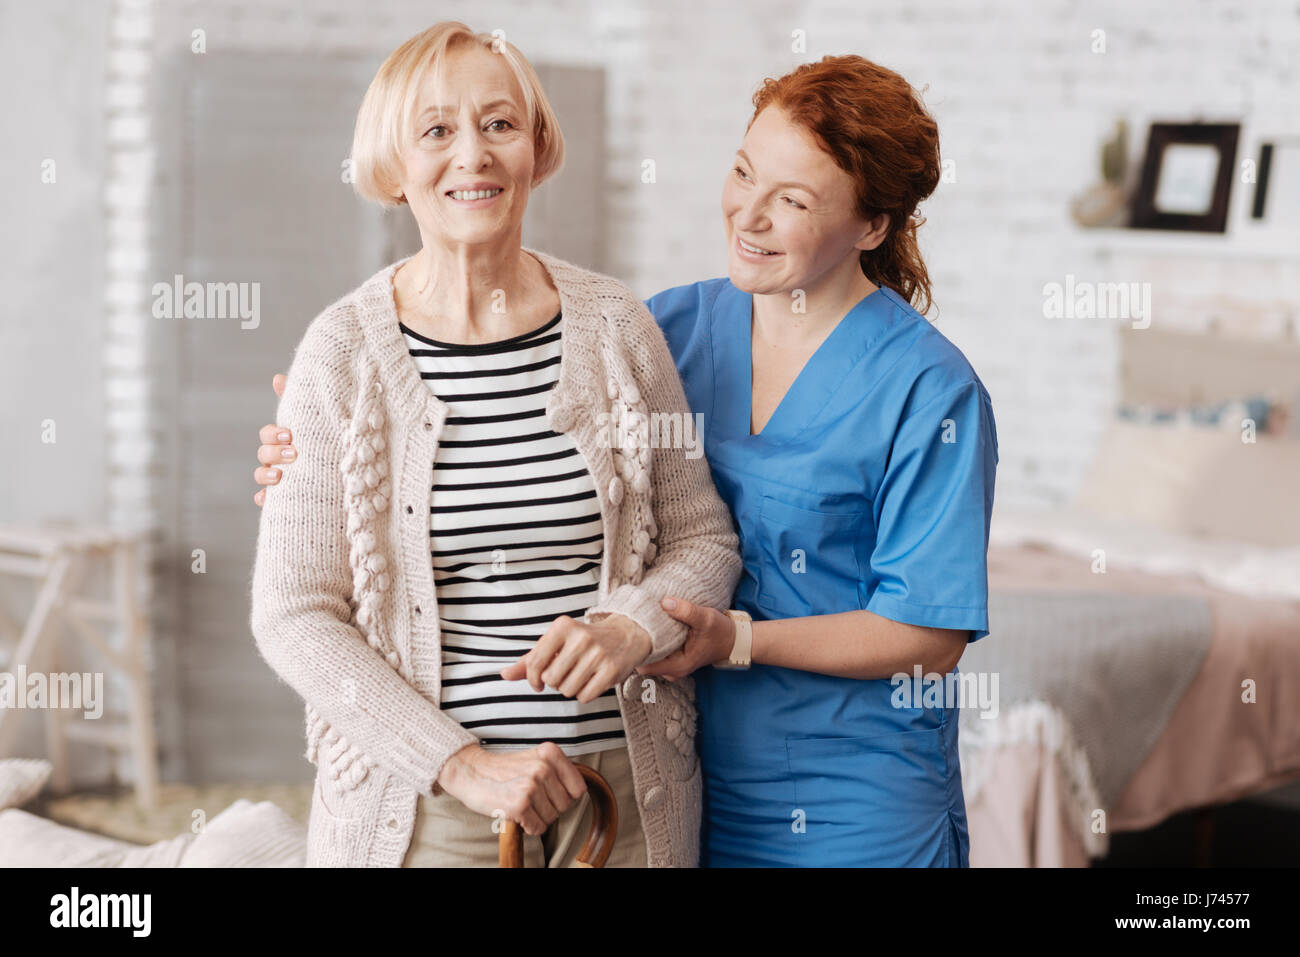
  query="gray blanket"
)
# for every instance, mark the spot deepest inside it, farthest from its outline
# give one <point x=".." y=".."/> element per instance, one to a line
<point x="1115" y="666"/>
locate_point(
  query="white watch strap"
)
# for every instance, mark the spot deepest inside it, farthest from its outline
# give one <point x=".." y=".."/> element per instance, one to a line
<point x="741" y="651"/>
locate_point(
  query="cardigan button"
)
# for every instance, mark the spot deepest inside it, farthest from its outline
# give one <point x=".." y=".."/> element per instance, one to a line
<point x="428" y="426"/>
<point x="653" y="798"/>
<point x="409" y="510"/>
<point x="615" y="490"/>
<point x="392" y="824"/>
<point x="417" y="610"/>
<point x="631" y="686"/>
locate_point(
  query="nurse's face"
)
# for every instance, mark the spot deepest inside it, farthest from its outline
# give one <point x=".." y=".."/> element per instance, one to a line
<point x="789" y="210"/>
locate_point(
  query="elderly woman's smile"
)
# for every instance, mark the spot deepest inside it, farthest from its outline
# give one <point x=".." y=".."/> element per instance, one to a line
<point x="475" y="195"/>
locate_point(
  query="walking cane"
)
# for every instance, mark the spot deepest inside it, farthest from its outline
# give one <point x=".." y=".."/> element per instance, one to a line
<point x="600" y="839"/>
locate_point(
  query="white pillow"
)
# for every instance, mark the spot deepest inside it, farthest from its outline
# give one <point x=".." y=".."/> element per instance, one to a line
<point x="21" y="779"/>
<point x="27" y="840"/>
<point x="167" y="853"/>
<point x="1200" y="482"/>
<point x="30" y="841"/>
<point x="243" y="835"/>
<point x="250" y="835"/>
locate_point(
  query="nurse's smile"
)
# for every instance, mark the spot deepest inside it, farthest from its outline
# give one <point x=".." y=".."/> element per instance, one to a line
<point x="754" y="253"/>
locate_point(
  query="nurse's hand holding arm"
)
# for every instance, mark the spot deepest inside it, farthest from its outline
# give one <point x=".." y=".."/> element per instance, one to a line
<point x="853" y="644"/>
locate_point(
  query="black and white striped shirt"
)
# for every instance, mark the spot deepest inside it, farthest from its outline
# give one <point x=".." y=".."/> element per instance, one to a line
<point x="515" y="538"/>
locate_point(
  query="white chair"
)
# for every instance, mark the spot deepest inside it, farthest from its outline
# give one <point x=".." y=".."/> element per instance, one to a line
<point x="58" y="556"/>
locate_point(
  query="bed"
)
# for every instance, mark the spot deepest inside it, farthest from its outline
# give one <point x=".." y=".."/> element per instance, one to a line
<point x="1181" y="551"/>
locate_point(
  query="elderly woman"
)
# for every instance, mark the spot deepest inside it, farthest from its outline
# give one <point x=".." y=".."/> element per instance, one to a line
<point x="856" y="449"/>
<point x="458" y="504"/>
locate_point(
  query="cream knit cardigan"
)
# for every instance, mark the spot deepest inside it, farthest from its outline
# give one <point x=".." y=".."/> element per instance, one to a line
<point x="343" y="601"/>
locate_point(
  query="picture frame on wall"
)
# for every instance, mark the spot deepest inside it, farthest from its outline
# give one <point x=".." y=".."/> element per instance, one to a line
<point x="1276" y="201"/>
<point x="1187" y="176"/>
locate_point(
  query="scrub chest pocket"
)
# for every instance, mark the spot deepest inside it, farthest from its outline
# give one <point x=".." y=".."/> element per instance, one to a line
<point x="811" y="559"/>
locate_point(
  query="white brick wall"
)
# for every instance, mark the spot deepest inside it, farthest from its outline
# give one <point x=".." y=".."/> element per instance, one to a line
<point x="1023" y="104"/>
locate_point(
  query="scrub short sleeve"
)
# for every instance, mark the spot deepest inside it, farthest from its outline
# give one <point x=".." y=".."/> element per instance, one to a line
<point x="929" y="565"/>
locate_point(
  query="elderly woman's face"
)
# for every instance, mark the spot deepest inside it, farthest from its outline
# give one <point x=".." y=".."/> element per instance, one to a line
<point x="469" y="171"/>
<point x="786" y="197"/>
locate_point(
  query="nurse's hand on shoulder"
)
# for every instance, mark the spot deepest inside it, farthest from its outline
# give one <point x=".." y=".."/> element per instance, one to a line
<point x="583" y="659"/>
<point x="711" y="637"/>
<point x="275" y="450"/>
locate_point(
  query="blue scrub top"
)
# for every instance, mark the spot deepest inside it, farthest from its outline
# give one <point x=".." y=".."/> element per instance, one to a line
<point x="871" y="487"/>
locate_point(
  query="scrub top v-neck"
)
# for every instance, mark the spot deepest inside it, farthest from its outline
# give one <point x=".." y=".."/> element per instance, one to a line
<point x="870" y="487"/>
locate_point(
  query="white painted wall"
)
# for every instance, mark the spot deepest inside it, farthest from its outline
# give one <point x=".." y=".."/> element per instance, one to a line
<point x="51" y="260"/>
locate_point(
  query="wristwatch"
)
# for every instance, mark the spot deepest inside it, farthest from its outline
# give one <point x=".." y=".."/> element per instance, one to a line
<point x="740" y="651"/>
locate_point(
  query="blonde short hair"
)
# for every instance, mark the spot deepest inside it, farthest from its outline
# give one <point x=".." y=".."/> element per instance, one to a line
<point x="387" y="112"/>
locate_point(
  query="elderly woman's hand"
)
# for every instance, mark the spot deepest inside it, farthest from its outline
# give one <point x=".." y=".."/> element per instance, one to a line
<point x="532" y="787"/>
<point x="275" y="450"/>
<point x="711" y="638"/>
<point x="582" y="659"/>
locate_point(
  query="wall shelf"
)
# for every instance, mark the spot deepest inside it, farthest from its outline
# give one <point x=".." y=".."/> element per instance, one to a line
<point x="1219" y="246"/>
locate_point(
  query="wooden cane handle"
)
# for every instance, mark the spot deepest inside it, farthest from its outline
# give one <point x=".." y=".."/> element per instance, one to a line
<point x="600" y="839"/>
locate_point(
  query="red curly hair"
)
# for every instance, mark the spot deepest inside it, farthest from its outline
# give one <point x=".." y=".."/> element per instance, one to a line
<point x="872" y="123"/>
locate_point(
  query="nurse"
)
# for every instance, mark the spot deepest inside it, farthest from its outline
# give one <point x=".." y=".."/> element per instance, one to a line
<point x="856" y="449"/>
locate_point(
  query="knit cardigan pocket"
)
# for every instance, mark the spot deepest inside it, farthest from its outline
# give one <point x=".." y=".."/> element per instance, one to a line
<point x="344" y="765"/>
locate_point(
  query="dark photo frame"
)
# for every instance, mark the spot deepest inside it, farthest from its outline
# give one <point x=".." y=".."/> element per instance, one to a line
<point x="1187" y="177"/>
<point x="1276" y="202"/>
